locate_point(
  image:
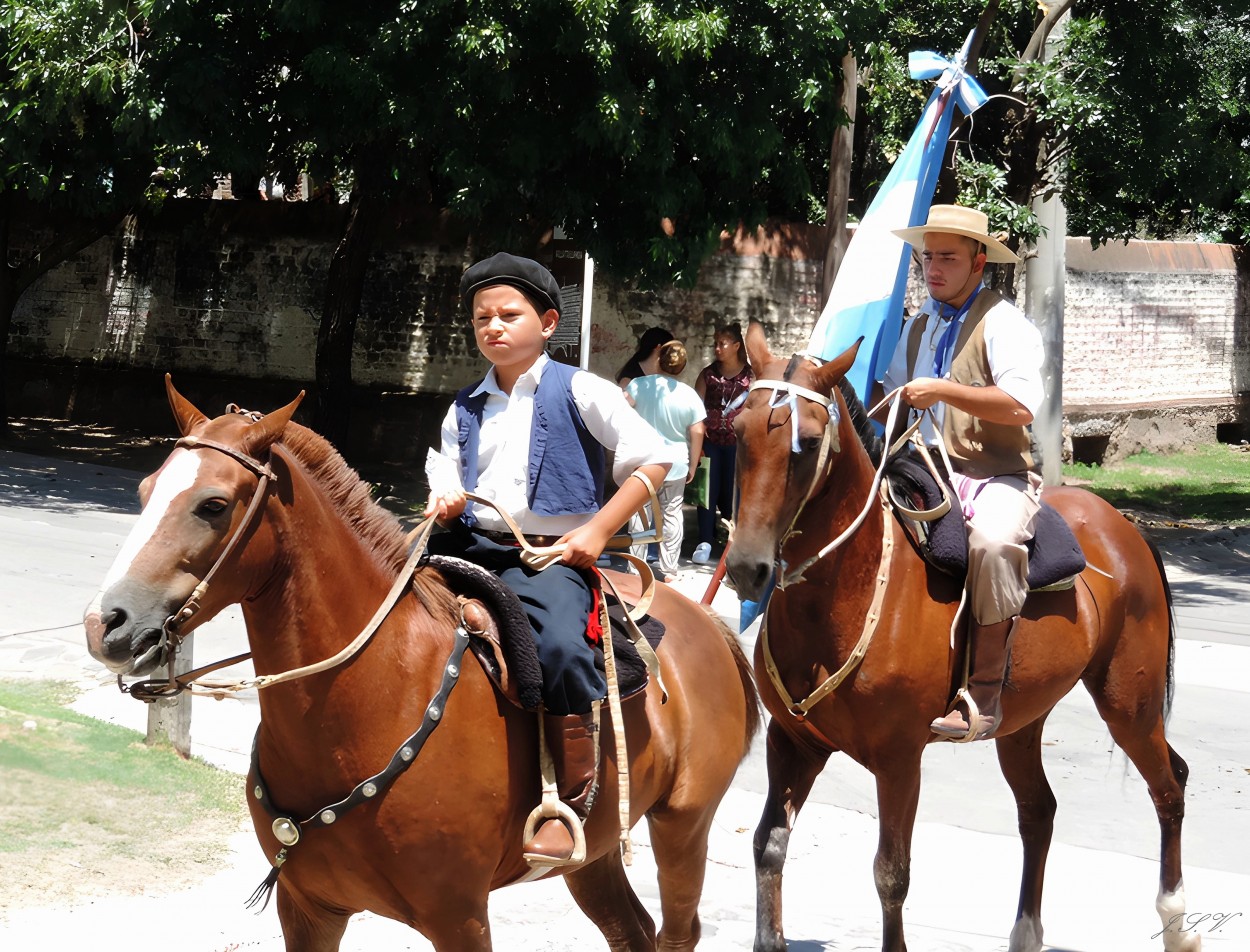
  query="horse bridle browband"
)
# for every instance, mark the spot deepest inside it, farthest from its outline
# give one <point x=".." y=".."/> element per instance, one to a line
<point x="828" y="442"/>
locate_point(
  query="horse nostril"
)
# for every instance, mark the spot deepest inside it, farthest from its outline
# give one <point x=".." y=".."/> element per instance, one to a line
<point x="110" y="621"/>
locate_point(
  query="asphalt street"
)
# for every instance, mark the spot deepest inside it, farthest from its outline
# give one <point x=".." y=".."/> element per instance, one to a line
<point x="61" y="523"/>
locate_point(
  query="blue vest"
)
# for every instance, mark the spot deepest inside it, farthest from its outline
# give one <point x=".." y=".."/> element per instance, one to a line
<point x="566" y="463"/>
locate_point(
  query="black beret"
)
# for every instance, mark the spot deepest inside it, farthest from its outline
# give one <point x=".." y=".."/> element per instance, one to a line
<point x="530" y="277"/>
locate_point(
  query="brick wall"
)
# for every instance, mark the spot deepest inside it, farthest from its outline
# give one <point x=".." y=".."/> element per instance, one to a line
<point x="1155" y="324"/>
<point x="227" y="295"/>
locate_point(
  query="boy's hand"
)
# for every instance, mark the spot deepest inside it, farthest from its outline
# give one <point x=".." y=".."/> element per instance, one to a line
<point x="584" y="545"/>
<point x="446" y="507"/>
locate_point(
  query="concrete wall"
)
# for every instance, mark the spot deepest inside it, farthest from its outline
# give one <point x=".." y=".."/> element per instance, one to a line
<point x="226" y="296"/>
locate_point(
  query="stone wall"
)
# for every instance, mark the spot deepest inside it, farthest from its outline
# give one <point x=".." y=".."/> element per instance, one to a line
<point x="226" y="296"/>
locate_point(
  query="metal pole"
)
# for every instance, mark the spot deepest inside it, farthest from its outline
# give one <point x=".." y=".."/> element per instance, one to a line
<point x="1044" y="279"/>
<point x="1045" y="275"/>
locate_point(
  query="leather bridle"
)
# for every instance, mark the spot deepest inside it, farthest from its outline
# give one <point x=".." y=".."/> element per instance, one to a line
<point x="171" y="632"/>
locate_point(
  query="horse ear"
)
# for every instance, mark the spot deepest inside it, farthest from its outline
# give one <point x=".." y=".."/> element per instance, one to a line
<point x="185" y="413"/>
<point x="828" y="376"/>
<point x="266" y="431"/>
<point x="757" y="347"/>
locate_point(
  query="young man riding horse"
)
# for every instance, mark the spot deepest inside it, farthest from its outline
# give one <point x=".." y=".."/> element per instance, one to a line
<point x="974" y="359"/>
<point x="531" y="436"/>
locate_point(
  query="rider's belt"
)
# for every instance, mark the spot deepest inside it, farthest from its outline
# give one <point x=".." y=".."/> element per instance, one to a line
<point x="507" y="538"/>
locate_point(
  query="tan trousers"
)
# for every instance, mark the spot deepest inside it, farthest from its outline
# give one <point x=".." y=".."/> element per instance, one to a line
<point x="1000" y="513"/>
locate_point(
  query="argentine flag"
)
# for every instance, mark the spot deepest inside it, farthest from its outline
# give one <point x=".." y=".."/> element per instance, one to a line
<point x="868" y="292"/>
<point x="867" y="295"/>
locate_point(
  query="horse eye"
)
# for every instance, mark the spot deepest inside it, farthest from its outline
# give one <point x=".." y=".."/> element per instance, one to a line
<point x="212" y="507"/>
<point x="809" y="444"/>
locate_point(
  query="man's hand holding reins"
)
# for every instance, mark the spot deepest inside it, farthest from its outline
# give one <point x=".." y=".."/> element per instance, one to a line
<point x="991" y="404"/>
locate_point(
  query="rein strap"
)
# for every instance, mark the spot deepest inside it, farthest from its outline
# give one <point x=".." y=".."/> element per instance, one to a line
<point x="800" y="708"/>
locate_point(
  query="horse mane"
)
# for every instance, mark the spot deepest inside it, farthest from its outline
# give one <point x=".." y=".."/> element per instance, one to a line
<point x="352" y="500"/>
<point x="873" y="444"/>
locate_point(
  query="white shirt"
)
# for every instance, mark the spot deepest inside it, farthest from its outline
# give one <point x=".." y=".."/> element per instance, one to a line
<point x="504" y="446"/>
<point x="1012" y="343"/>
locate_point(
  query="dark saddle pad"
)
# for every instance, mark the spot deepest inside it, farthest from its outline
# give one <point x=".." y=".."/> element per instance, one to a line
<point x="517" y="636"/>
<point x="1054" y="553"/>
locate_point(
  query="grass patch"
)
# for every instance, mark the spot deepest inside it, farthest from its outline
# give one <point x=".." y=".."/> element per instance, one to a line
<point x="1206" y="484"/>
<point x="91" y="808"/>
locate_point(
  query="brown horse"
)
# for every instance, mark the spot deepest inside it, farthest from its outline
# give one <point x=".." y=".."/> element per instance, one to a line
<point x="310" y="568"/>
<point x="803" y="464"/>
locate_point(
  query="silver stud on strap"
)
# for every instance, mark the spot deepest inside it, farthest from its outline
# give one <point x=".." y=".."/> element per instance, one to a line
<point x="327" y="816"/>
<point x="369" y="789"/>
<point x="285" y="831"/>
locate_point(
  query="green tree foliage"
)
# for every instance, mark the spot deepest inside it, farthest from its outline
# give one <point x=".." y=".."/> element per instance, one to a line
<point x="1163" y="148"/>
<point x="1137" y="111"/>
<point x="601" y="117"/>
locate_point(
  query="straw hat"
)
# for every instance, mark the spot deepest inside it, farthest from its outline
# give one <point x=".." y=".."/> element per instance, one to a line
<point x="958" y="220"/>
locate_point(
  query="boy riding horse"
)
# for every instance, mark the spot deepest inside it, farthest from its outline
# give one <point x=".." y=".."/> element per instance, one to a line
<point x="531" y="436"/>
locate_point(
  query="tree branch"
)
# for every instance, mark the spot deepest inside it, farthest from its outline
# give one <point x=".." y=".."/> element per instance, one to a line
<point x="1037" y="42"/>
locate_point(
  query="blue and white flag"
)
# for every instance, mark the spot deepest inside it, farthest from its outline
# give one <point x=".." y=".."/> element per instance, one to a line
<point x="868" y="292"/>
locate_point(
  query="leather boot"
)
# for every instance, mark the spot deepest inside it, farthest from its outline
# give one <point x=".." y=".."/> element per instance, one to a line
<point x="573" y="740"/>
<point x="989" y="649"/>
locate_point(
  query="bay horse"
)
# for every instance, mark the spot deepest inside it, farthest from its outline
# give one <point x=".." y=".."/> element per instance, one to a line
<point x="310" y="569"/>
<point x="804" y="476"/>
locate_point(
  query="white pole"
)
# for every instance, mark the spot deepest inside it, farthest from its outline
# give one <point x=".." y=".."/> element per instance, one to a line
<point x="588" y="281"/>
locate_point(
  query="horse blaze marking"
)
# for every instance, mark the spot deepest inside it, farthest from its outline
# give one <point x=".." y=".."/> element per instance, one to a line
<point x="176" y="477"/>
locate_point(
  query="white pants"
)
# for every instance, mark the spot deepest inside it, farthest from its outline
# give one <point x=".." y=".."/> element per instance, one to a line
<point x="671" y="495"/>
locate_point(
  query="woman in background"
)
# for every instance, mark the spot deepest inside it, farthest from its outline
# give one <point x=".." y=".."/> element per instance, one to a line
<point x="648" y="347"/>
<point x="722" y="384"/>
<point x="676" y="412"/>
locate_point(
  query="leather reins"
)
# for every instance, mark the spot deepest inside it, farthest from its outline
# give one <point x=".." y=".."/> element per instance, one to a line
<point x="799" y="709"/>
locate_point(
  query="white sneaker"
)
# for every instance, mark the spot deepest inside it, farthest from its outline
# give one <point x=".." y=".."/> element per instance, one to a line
<point x="702" y="553"/>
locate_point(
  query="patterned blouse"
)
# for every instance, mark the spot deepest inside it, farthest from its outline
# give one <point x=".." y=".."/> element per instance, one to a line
<point x="719" y="392"/>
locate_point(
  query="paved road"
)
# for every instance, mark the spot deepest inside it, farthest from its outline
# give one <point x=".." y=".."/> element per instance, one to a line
<point x="61" y="522"/>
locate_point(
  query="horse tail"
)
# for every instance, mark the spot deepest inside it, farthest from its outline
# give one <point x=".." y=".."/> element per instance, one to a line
<point x="1170" y="687"/>
<point x="750" y="694"/>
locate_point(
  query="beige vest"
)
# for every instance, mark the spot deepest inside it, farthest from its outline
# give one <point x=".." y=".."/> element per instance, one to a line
<point x="977" y="448"/>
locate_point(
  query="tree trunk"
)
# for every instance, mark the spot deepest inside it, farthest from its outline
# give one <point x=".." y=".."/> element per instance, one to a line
<point x="344" y="288"/>
<point x="8" y="301"/>
<point x="841" y="154"/>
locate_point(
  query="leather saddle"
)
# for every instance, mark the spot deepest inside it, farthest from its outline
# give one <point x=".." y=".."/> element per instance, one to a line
<point x="504" y="641"/>
<point x="1055" y="556"/>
